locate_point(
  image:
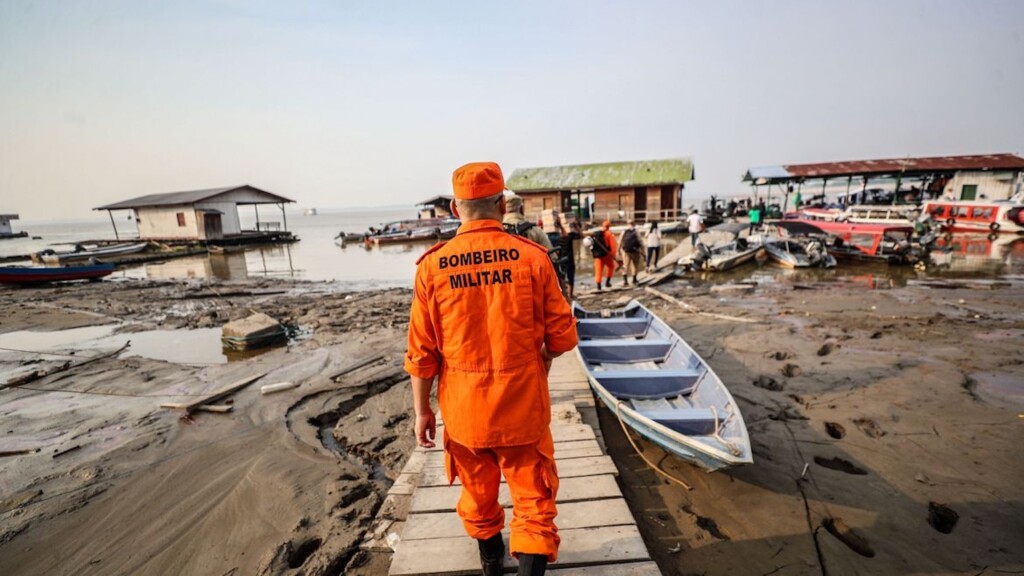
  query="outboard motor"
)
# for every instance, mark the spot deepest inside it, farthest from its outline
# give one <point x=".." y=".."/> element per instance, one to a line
<point x="815" y="252"/>
<point x="701" y="254"/>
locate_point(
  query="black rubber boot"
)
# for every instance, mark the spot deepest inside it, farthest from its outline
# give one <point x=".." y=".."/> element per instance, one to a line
<point x="492" y="552"/>
<point x="608" y="282"/>
<point x="598" y="285"/>
<point x="532" y="564"/>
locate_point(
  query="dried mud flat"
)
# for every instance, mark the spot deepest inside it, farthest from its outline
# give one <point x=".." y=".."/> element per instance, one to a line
<point x="885" y="425"/>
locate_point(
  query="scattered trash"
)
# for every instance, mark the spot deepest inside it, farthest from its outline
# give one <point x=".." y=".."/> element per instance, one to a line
<point x="360" y="417"/>
<point x="675" y="549"/>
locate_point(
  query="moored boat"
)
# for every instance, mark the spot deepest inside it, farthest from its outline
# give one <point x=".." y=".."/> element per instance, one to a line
<point x="41" y="275"/>
<point x="858" y="242"/>
<point x="51" y="257"/>
<point x="798" y="252"/>
<point x="656" y="384"/>
<point x="978" y="216"/>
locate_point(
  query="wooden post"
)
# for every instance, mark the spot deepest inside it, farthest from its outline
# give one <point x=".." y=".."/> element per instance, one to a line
<point x="849" y="181"/>
<point x="114" y="224"/>
<point x="284" y="217"/>
<point x="256" y="210"/>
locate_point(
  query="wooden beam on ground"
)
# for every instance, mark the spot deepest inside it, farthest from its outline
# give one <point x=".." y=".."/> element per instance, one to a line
<point x="39" y="374"/>
<point x="357" y="365"/>
<point x="695" y="310"/>
<point x="193" y="406"/>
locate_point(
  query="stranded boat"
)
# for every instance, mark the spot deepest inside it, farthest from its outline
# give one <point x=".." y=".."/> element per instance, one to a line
<point x="41" y="275"/>
<point x="858" y="242"/>
<point x="799" y="252"/>
<point x="658" y="386"/>
<point x="83" y="254"/>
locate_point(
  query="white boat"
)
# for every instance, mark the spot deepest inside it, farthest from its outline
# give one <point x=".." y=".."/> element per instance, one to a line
<point x="724" y="255"/>
<point x="798" y="252"/>
<point x="652" y="380"/>
<point x="113" y="251"/>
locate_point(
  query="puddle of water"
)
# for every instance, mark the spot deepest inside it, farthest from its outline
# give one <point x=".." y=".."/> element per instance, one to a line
<point x="50" y="341"/>
<point x="199" y="346"/>
<point x="1005" y="386"/>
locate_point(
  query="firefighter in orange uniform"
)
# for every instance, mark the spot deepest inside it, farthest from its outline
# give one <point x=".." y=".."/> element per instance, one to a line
<point x="487" y="319"/>
<point x="607" y="262"/>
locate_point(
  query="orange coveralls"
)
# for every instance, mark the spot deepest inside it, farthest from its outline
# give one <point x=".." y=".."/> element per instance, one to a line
<point x="607" y="262"/>
<point x="484" y="305"/>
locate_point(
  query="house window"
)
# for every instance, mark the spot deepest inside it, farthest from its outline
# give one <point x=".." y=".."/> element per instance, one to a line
<point x="969" y="191"/>
<point x="181" y="219"/>
<point x="549" y="203"/>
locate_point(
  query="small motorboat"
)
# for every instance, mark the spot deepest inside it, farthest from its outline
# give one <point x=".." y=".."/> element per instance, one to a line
<point x="727" y="251"/>
<point x="657" y="385"/>
<point x="42" y="275"/>
<point x="858" y="242"/>
<point x="82" y="254"/>
<point x="797" y="252"/>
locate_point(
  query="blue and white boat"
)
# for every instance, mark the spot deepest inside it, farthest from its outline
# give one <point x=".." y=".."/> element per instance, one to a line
<point x="658" y="386"/>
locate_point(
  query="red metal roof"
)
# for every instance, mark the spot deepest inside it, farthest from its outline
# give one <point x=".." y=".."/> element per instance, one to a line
<point x="894" y="166"/>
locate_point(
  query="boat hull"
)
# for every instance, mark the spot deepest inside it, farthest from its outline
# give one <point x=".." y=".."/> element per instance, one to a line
<point x="28" y="275"/>
<point x="660" y="388"/>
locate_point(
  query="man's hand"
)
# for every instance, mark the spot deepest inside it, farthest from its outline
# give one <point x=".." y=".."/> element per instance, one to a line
<point x="426" y="430"/>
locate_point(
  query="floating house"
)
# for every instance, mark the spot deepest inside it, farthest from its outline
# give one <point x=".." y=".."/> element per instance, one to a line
<point x="436" y="207"/>
<point x="643" y="190"/>
<point x="203" y="215"/>
<point x="6" y="231"/>
<point x="979" y="177"/>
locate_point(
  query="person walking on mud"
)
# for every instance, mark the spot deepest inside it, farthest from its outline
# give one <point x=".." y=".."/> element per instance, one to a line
<point x="631" y="249"/>
<point x="487" y="319"/>
<point x="603" y="248"/>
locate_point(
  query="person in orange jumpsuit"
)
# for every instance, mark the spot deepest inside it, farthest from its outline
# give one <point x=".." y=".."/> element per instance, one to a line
<point x="487" y="319"/>
<point x="606" y="264"/>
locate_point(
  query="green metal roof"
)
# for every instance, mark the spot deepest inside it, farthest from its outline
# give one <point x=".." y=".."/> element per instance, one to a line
<point x="606" y="175"/>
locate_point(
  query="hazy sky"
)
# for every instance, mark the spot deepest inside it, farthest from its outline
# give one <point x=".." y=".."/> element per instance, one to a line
<point x="339" y="104"/>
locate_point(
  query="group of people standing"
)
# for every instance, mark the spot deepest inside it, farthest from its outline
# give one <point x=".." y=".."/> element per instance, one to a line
<point x="626" y="252"/>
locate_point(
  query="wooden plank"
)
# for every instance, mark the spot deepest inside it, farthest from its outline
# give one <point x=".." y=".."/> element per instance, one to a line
<point x="607" y="547"/>
<point x="568" y="432"/>
<point x="357" y="365"/>
<point x="434" y="457"/>
<point x="631" y="569"/>
<point x="571" y="515"/>
<point x="405" y="484"/>
<point x="444" y="498"/>
<point x="226" y="391"/>
<point x="570" y="468"/>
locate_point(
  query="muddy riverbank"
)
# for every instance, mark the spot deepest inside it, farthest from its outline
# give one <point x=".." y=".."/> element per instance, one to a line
<point x="885" y="421"/>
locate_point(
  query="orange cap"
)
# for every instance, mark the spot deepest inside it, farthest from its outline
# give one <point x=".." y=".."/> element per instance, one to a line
<point x="477" y="180"/>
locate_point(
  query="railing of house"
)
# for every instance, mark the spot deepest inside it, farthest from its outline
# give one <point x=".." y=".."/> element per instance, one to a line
<point x="640" y="216"/>
<point x="268" y="226"/>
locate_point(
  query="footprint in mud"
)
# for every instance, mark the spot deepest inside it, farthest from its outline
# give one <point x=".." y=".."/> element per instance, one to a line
<point x="827" y="348"/>
<point x="711" y="527"/>
<point x="942" y="517"/>
<point x="779" y="355"/>
<point x="846" y="535"/>
<point x="840" y="464"/>
<point x="869" y="427"/>
<point x="768" y="383"/>
<point x="791" y="370"/>
<point x="835" y="430"/>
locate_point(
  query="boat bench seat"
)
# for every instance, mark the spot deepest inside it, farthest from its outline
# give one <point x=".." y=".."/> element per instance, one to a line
<point x="690" y="421"/>
<point x="648" y="384"/>
<point x="600" y="328"/>
<point x="624" y="351"/>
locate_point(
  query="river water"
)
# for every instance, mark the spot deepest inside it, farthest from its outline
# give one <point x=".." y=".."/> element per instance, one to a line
<point x="318" y="257"/>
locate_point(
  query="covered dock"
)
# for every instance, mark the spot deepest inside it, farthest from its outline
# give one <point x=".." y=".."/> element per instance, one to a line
<point x="912" y="180"/>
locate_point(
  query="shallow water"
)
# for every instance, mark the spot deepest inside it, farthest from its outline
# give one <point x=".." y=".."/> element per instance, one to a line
<point x="354" y="267"/>
<point x="198" y="346"/>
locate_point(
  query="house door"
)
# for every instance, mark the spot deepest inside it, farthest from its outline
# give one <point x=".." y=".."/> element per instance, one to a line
<point x="212" y="227"/>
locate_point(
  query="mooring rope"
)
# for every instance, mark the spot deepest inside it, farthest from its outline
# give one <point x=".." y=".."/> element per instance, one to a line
<point x="656" y="468"/>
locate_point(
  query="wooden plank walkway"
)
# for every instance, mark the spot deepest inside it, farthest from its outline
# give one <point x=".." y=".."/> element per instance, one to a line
<point x="599" y="535"/>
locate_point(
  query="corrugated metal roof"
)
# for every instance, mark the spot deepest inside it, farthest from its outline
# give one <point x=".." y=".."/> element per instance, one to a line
<point x="187" y="197"/>
<point x="888" y="166"/>
<point x="435" y="200"/>
<point x="606" y="175"/>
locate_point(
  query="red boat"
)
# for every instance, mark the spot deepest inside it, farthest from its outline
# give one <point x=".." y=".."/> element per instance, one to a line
<point x="40" y="275"/>
<point x="977" y="216"/>
<point x="858" y="242"/>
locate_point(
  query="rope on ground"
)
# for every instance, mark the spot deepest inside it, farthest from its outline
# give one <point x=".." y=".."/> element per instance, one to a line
<point x="618" y="414"/>
<point x="732" y="447"/>
<point x="696" y="310"/>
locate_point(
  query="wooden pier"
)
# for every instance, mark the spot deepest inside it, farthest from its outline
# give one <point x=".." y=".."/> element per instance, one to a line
<point x="599" y="534"/>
